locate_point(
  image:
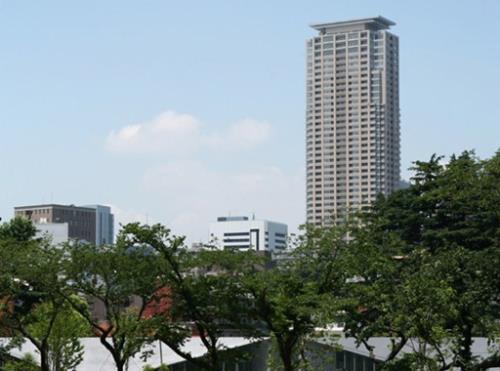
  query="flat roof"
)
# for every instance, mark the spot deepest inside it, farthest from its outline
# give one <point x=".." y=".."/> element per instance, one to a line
<point x="96" y="357"/>
<point x="224" y="219"/>
<point x="232" y="218"/>
<point x="41" y="206"/>
<point x="378" y="22"/>
<point x="382" y="346"/>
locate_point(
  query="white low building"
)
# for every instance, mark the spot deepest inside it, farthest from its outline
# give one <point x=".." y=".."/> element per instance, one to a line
<point x="97" y="358"/>
<point x="242" y="233"/>
<point x="58" y="233"/>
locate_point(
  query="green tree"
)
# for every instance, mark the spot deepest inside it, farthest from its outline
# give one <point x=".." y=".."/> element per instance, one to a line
<point x="65" y="349"/>
<point x="32" y="308"/>
<point x="26" y="363"/>
<point x="205" y="293"/>
<point x="300" y="294"/>
<point x="123" y="278"/>
<point x="427" y="260"/>
<point x="17" y="230"/>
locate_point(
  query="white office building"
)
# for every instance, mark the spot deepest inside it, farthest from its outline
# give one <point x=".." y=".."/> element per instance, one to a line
<point x="242" y="233"/>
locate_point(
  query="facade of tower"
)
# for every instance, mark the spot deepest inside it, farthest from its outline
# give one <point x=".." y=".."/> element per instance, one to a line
<point x="352" y="117"/>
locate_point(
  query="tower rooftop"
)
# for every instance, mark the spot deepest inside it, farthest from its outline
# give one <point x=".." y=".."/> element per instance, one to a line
<point x="373" y="23"/>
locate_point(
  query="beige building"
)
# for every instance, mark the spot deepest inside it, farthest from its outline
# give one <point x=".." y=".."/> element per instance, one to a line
<point x="352" y="118"/>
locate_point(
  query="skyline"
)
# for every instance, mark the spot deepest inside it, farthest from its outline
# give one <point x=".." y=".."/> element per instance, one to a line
<point x="86" y="90"/>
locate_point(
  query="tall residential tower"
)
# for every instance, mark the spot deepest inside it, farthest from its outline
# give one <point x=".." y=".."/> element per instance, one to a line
<point x="352" y="119"/>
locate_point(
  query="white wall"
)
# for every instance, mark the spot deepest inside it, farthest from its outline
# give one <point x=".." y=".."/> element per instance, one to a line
<point x="58" y="232"/>
<point x="248" y="234"/>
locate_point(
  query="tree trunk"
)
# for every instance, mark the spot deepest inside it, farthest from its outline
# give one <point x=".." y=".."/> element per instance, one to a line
<point x="214" y="363"/>
<point x="120" y="366"/>
<point x="115" y="353"/>
<point x="286" y="355"/>
<point x="286" y="358"/>
<point x="119" y="362"/>
<point x="44" y="359"/>
<point x="465" y="344"/>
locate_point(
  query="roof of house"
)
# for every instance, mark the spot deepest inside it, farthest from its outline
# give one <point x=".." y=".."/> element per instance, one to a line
<point x="97" y="358"/>
<point x="481" y="348"/>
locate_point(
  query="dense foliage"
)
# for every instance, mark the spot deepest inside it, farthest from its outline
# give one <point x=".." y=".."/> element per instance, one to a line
<point x="419" y="266"/>
<point x="32" y="307"/>
<point x="428" y="260"/>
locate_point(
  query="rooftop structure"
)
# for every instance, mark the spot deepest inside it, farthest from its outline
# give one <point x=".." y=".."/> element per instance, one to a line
<point x="372" y="23"/>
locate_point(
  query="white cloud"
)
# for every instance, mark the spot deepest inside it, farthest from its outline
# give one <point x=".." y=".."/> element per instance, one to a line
<point x="186" y="191"/>
<point x="169" y="132"/>
<point x="242" y="135"/>
<point x="249" y="132"/>
<point x="182" y="134"/>
<point x="193" y="195"/>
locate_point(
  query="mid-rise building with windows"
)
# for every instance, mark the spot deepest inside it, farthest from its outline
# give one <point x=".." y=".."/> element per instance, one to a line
<point x="352" y="118"/>
<point x="93" y="224"/>
<point x="242" y="233"/>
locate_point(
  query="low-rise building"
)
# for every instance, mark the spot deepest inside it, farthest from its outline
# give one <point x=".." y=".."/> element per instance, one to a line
<point x="57" y="232"/>
<point x="93" y="224"/>
<point x="242" y="233"/>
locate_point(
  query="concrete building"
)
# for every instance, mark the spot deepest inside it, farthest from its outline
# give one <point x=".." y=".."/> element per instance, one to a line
<point x="84" y="223"/>
<point x="239" y="232"/>
<point x="352" y="117"/>
<point x="105" y="222"/>
<point x="244" y="354"/>
<point x="57" y="232"/>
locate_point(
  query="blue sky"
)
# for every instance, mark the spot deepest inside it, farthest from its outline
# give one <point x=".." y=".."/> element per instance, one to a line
<point x="216" y="91"/>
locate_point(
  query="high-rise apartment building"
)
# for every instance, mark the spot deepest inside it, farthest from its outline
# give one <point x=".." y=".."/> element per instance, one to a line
<point x="84" y="223"/>
<point x="352" y="118"/>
